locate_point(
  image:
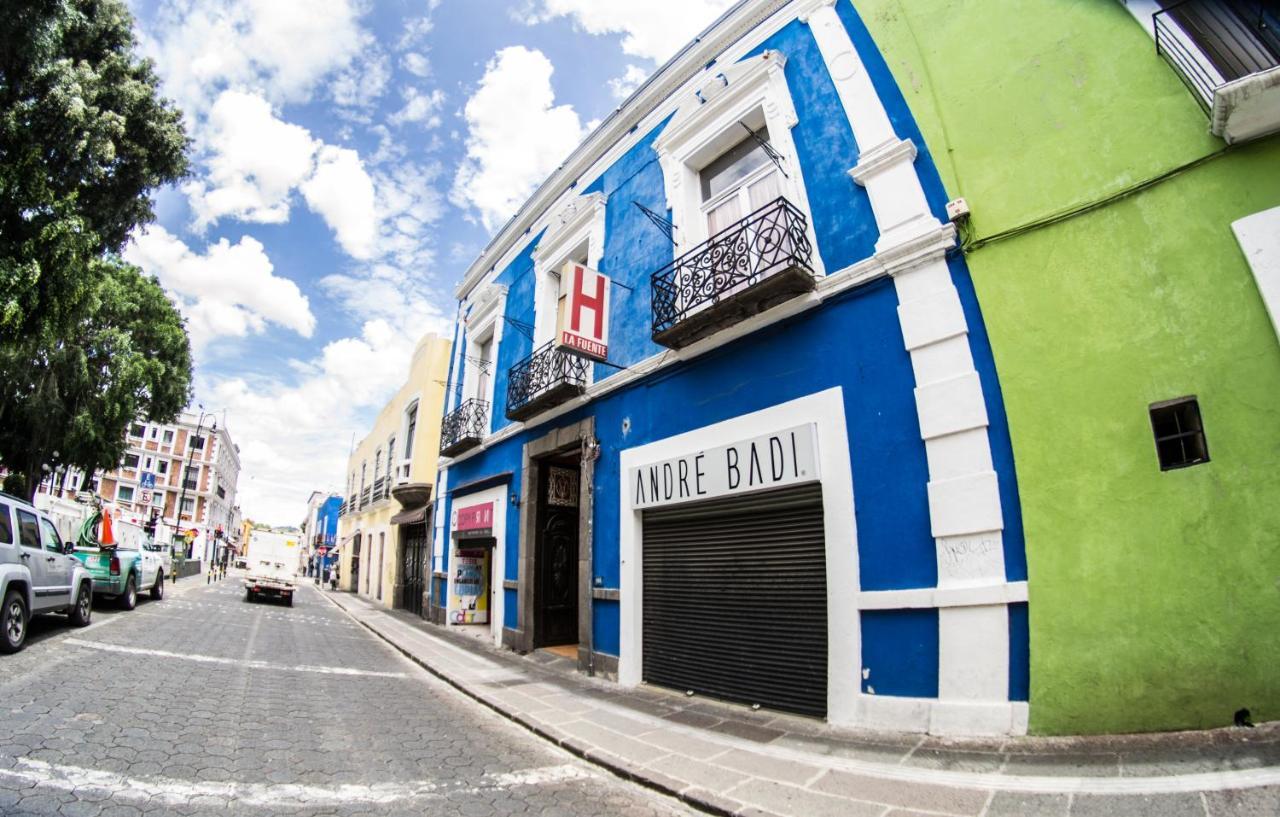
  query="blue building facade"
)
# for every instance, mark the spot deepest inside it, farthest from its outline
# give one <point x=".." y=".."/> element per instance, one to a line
<point x="791" y="483"/>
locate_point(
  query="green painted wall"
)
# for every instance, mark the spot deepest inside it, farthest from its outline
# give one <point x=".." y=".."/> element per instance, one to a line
<point x="1154" y="597"/>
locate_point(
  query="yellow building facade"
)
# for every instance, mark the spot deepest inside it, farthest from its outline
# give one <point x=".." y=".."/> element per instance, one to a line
<point x="398" y="456"/>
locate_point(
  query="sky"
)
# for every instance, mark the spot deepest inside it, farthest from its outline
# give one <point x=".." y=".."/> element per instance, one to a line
<point x="349" y="159"/>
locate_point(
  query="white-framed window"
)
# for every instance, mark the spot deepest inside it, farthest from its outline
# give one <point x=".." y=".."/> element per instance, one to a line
<point x="574" y="235"/>
<point x="714" y="170"/>
<point x="482" y="329"/>
<point x="124" y="493"/>
<point x="136" y="430"/>
<point x="148" y="464"/>
<point x="411" y="428"/>
<point x="155" y="432"/>
<point x="738" y="182"/>
<point x="167" y="437"/>
<point x="377" y="464"/>
<point x="162" y="467"/>
<point x="130" y="460"/>
<point x="188" y="505"/>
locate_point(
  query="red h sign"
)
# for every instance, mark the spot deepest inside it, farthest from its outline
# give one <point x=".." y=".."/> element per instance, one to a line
<point x="584" y="316"/>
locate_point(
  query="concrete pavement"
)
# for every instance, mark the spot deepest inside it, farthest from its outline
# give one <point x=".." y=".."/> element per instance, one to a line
<point x="205" y="704"/>
<point x="730" y="760"/>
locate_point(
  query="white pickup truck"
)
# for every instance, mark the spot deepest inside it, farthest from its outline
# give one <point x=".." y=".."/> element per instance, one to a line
<point x="273" y="566"/>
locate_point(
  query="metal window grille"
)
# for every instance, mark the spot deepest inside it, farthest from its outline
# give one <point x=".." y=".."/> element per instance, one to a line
<point x="1179" y="433"/>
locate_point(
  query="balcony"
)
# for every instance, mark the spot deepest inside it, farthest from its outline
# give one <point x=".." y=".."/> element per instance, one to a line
<point x="464" y="427"/>
<point x="1227" y="53"/>
<point x="760" y="262"/>
<point x="381" y="489"/>
<point x="544" y="379"/>
<point x="364" y="497"/>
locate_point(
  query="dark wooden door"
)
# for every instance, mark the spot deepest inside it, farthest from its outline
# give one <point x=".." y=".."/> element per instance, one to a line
<point x="557" y="559"/>
<point x="414" y="567"/>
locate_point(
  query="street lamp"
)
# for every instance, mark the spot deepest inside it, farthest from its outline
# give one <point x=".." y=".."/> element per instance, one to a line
<point x="182" y="496"/>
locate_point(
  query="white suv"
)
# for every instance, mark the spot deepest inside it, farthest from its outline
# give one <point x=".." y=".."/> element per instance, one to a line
<point x="38" y="574"/>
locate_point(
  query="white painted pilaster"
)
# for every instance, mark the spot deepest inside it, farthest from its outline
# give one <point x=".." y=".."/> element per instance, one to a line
<point x="964" y="500"/>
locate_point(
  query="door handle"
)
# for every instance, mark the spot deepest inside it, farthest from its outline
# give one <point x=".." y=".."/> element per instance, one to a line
<point x="26" y="555"/>
<point x="50" y="559"/>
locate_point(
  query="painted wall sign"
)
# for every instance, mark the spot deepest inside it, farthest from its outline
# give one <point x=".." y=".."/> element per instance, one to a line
<point x="583" y="326"/>
<point x="783" y="458"/>
<point x="470" y="587"/>
<point x="474" y="522"/>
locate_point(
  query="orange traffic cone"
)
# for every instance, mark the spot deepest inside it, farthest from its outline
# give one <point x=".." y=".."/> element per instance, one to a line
<point x="106" y="537"/>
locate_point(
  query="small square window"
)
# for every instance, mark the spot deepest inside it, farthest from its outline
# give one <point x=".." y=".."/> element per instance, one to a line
<point x="1179" y="433"/>
<point x="135" y="430"/>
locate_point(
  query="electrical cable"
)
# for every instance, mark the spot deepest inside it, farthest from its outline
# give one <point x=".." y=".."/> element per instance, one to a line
<point x="1056" y="218"/>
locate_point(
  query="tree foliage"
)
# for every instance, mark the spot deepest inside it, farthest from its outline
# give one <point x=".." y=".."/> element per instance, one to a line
<point x="86" y="342"/>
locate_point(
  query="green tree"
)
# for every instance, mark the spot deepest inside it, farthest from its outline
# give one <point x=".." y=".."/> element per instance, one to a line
<point x="68" y="403"/>
<point x="86" y="343"/>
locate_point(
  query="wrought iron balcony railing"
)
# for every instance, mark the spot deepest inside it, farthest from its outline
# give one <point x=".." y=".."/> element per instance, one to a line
<point x="364" y="497"/>
<point x="343" y="509"/>
<point x="546" y="378"/>
<point x="1211" y="43"/>
<point x="464" y="427"/>
<point x="744" y="269"/>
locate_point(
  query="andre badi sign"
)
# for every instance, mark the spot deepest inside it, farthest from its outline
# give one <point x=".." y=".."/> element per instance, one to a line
<point x="583" y="315"/>
<point x="786" y="457"/>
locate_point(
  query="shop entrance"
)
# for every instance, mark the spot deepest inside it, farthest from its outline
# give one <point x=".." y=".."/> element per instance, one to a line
<point x="735" y="599"/>
<point x="556" y="553"/>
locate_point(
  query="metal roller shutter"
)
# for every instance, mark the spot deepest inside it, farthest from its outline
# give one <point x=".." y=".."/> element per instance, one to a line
<point x="735" y="599"/>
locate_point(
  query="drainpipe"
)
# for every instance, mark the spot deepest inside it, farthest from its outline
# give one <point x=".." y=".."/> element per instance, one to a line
<point x="590" y="453"/>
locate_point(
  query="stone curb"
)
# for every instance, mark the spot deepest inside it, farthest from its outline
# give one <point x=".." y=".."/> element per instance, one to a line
<point x="692" y="794"/>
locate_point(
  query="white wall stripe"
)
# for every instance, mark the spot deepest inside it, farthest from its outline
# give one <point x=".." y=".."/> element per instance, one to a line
<point x="964" y="500"/>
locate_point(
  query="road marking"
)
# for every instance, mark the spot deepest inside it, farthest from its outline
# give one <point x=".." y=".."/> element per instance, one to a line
<point x="171" y="791"/>
<point x="214" y="659"/>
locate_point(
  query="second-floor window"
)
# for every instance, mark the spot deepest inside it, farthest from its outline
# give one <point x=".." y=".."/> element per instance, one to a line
<point x="377" y="464"/>
<point x="124" y="493"/>
<point x="168" y="436"/>
<point x="130" y="460"/>
<point x="135" y="430"/>
<point x="738" y="182"/>
<point x="411" y="426"/>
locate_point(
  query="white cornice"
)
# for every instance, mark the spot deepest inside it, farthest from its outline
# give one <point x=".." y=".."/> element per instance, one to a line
<point x="685" y="66"/>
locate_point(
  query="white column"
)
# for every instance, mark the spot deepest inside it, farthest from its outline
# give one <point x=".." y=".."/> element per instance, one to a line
<point x="964" y="501"/>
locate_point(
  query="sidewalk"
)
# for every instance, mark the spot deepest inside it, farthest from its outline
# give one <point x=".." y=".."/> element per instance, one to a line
<point x="728" y="760"/>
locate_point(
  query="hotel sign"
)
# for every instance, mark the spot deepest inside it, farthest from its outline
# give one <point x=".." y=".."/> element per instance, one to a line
<point x="583" y="325"/>
<point x="787" y="457"/>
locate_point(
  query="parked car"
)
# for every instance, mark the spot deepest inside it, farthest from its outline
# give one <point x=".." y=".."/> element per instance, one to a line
<point x="123" y="571"/>
<point x="38" y="574"/>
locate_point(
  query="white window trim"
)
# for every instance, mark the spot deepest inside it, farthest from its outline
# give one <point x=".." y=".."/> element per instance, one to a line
<point x="483" y="325"/>
<point x="578" y="221"/>
<point x="405" y="462"/>
<point x="705" y="126"/>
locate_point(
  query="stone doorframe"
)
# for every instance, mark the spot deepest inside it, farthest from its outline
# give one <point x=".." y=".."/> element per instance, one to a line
<point x="560" y="441"/>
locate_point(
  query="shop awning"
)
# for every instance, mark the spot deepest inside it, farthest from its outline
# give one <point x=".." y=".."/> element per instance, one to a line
<point x="416" y="516"/>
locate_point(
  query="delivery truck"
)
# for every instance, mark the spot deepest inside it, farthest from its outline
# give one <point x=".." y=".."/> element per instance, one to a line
<point x="273" y="566"/>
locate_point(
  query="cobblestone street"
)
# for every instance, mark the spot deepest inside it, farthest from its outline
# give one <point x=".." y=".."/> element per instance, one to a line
<point x="206" y="704"/>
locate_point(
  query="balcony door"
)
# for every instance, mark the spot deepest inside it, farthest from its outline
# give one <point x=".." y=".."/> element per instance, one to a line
<point x="737" y="183"/>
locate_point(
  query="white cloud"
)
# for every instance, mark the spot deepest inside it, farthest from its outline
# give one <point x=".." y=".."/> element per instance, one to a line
<point x="420" y="107"/>
<point x="363" y="83"/>
<point x="621" y="87"/>
<point x="516" y="135"/>
<point x="286" y="47"/>
<point x="254" y="161"/>
<point x="342" y="193"/>
<point x="655" y="29"/>
<point x="229" y="290"/>
<point x="416" y="63"/>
